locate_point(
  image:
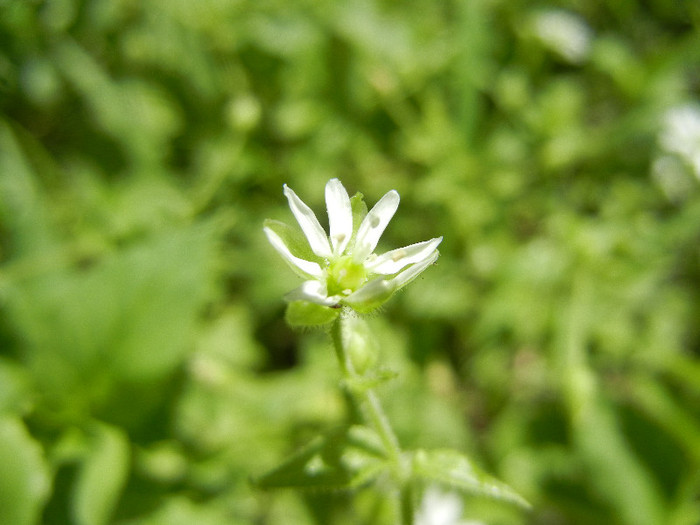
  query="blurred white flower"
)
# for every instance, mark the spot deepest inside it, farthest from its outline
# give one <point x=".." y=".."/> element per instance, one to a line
<point x="441" y="508"/>
<point x="564" y="33"/>
<point x="673" y="177"/>
<point x="681" y="134"/>
<point x="341" y="269"/>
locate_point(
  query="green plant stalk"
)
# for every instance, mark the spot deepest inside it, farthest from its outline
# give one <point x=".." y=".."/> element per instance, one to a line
<point x="373" y="413"/>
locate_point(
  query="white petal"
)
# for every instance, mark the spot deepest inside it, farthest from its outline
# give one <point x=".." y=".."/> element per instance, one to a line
<point x="374" y="225"/>
<point x="309" y="224"/>
<point x="312" y="291"/>
<point x="412" y="272"/>
<point x="339" y="215"/>
<point x="302" y="267"/>
<point x="391" y="262"/>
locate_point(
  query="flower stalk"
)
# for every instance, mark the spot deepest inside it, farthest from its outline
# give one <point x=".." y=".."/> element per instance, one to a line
<point x="343" y="277"/>
<point x="371" y="409"/>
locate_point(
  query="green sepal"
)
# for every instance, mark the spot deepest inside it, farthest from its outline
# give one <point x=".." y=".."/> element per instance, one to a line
<point x="359" y="211"/>
<point x="305" y="313"/>
<point x="452" y="469"/>
<point x="293" y="238"/>
<point x="372" y="296"/>
<point x="343" y="459"/>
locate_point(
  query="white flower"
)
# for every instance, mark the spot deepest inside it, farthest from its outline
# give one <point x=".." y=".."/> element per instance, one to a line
<point x="441" y="508"/>
<point x="564" y="33"/>
<point x="341" y="269"/>
<point x="681" y="134"/>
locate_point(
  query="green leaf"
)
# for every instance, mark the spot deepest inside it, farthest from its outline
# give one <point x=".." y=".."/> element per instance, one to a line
<point x="622" y="479"/>
<point x="15" y="388"/>
<point x="97" y="339"/>
<point x="449" y="467"/>
<point x="24" y="481"/>
<point x="101" y="477"/>
<point x="22" y="206"/>
<point x="342" y="459"/>
<point x="305" y="313"/>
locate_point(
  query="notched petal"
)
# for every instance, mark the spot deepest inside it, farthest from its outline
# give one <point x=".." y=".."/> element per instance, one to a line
<point x="393" y="261"/>
<point x="306" y="218"/>
<point x="339" y="215"/>
<point x="414" y="271"/>
<point x="374" y="225"/>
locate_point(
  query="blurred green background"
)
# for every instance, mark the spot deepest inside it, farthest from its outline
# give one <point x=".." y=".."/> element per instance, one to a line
<point x="145" y="368"/>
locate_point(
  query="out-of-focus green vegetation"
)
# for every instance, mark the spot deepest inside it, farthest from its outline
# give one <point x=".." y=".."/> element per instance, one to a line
<point x="145" y="369"/>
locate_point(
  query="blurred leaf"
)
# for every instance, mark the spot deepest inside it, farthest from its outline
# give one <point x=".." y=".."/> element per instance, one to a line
<point x="15" y="390"/>
<point x="101" y="477"/>
<point x="660" y="405"/>
<point x="25" y="480"/>
<point x="229" y="336"/>
<point x="452" y="469"/>
<point x="342" y="459"/>
<point x="615" y="473"/>
<point x="619" y="477"/>
<point x="126" y="321"/>
<point x="22" y="206"/>
<point x="180" y="510"/>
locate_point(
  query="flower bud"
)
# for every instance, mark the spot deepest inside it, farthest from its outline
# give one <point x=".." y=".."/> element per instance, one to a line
<point x="360" y="346"/>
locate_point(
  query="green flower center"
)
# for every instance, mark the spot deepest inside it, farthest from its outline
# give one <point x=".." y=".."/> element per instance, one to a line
<point x="345" y="276"/>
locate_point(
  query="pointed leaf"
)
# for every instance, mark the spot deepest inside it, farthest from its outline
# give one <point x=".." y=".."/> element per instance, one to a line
<point x="23" y="209"/>
<point x="102" y="477"/>
<point x="452" y="469"/>
<point x="24" y="483"/>
<point x="343" y="459"/>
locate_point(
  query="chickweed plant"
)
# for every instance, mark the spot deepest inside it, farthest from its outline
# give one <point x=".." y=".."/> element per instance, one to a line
<point x="343" y="281"/>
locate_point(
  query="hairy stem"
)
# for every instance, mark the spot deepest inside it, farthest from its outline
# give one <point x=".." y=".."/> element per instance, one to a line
<point x="373" y="413"/>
